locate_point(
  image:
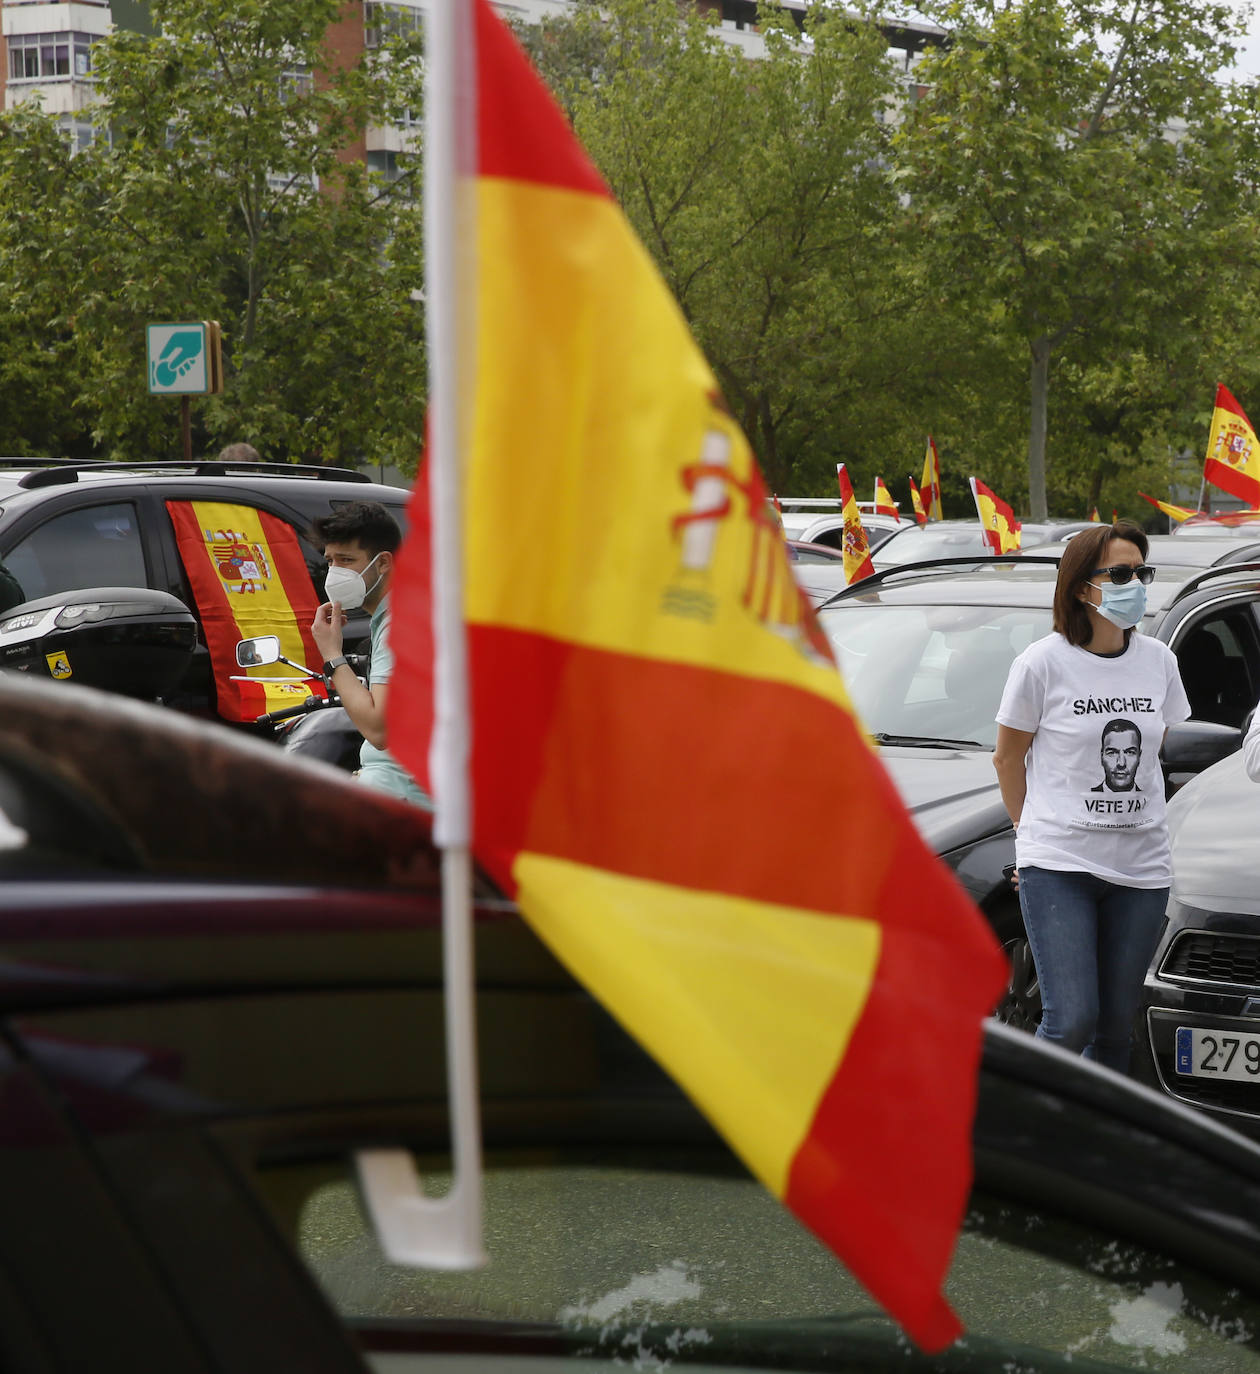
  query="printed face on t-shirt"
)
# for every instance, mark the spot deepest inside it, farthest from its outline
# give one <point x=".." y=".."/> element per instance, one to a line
<point x="1121" y="754"/>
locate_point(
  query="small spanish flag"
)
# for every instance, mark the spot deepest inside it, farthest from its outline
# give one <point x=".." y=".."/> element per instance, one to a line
<point x="1093" y="515"/>
<point x="884" y="504"/>
<point x="1233" y="456"/>
<point x="856" y="547"/>
<point x="1175" y="513"/>
<point x="932" y="481"/>
<point x="916" y="501"/>
<point x="997" y="519"/>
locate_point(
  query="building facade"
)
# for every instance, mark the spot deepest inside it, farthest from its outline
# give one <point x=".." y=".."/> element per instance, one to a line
<point x="46" y="51"/>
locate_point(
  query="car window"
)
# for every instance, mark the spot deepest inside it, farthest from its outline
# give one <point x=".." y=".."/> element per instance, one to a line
<point x="912" y="543"/>
<point x="1219" y="657"/>
<point x="930" y="671"/>
<point x="641" y="1258"/>
<point x="89" y="546"/>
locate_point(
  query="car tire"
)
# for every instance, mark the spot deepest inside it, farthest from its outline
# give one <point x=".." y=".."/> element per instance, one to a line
<point x="1020" y="1004"/>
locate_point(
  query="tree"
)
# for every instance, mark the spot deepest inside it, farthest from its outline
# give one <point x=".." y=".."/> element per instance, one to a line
<point x="1071" y="166"/>
<point x="219" y="187"/>
<point x="759" y="188"/>
<point x="39" y="269"/>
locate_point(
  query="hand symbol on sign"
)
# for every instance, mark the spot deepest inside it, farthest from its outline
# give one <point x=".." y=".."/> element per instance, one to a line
<point x="178" y="357"/>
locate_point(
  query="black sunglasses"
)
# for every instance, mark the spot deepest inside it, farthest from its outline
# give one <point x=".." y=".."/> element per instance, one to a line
<point x="1120" y="573"/>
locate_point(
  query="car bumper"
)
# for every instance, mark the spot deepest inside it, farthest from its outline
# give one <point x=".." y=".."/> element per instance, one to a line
<point x="1205" y="976"/>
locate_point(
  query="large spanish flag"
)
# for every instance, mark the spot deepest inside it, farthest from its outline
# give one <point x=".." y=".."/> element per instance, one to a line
<point x="997" y="519"/>
<point x="645" y="679"/>
<point x="1233" y="456"/>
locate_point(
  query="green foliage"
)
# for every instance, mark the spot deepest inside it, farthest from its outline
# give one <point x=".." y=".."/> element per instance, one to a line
<point x="1047" y="261"/>
<point x="223" y="184"/>
<point x="1073" y="174"/>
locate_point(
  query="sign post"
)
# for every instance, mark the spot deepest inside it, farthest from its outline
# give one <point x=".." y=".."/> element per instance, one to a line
<point x="185" y="359"/>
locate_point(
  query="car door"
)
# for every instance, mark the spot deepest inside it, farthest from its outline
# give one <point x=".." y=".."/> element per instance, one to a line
<point x="1218" y="651"/>
<point x="85" y="537"/>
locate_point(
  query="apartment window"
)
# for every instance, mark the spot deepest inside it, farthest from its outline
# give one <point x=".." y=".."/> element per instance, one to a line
<point x="383" y="162"/>
<point x="49" y="56"/>
<point x="79" y="132"/>
<point x="382" y="21"/>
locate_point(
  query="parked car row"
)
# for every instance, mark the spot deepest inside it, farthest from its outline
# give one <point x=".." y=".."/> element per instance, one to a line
<point x="925" y="650"/>
<point x="219" y="988"/>
<point x="69" y="526"/>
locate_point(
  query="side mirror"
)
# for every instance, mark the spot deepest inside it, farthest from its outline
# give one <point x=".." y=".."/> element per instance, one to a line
<point x="256" y="653"/>
<point x="1194" y="745"/>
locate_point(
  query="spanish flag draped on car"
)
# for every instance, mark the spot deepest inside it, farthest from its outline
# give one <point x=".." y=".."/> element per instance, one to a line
<point x="1233" y="456"/>
<point x="997" y="519"/>
<point x="645" y="679"/>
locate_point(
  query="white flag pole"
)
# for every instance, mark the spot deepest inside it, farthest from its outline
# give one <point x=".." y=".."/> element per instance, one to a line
<point x="446" y="1233"/>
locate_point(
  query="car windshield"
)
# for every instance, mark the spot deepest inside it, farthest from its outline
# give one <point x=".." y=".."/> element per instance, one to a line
<point x="930" y="672"/>
<point x="644" y="1262"/>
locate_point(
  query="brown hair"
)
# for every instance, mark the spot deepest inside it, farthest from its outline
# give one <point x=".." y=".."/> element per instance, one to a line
<point x="1076" y="567"/>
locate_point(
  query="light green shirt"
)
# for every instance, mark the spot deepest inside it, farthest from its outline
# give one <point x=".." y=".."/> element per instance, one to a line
<point x="378" y="766"/>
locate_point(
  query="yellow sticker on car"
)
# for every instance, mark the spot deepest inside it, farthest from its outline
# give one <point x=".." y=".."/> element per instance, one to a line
<point x="58" y="665"/>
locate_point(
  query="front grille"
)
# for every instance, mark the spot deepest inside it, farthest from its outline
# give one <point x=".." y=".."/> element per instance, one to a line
<point x="1232" y="1097"/>
<point x="1206" y="957"/>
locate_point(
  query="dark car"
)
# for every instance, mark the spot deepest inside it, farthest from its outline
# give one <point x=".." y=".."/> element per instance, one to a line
<point x="70" y="526"/>
<point x="1201" y="1001"/>
<point x="218" y="989"/>
<point x="925" y="652"/>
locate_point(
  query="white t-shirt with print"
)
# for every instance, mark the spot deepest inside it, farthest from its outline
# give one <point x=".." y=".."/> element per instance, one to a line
<point x="1095" y="799"/>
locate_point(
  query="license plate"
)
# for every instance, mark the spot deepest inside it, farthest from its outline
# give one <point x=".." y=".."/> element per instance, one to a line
<point x="1218" y="1054"/>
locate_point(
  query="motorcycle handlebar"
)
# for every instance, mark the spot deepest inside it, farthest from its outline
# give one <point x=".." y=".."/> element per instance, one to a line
<point x="312" y="703"/>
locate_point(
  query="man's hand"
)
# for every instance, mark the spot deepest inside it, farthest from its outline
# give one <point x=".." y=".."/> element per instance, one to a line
<point x="326" y="629"/>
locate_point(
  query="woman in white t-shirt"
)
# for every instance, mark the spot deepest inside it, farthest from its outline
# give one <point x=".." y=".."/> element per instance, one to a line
<point x="1080" y="728"/>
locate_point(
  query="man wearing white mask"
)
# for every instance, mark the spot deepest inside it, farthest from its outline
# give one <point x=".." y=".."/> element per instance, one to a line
<point x="360" y="541"/>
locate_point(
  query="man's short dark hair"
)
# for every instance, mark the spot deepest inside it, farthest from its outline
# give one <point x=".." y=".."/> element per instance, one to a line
<point x="1117" y="725"/>
<point x="366" y="523"/>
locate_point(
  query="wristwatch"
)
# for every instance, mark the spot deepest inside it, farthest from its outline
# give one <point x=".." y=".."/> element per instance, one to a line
<point x="334" y="663"/>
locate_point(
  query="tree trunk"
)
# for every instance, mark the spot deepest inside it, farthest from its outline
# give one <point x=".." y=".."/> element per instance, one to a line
<point x="1038" y="389"/>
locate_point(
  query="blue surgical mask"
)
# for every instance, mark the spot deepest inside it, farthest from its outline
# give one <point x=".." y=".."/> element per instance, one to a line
<point x="1123" y="606"/>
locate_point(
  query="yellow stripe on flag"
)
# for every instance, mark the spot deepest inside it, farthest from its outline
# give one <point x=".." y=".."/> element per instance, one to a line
<point x="599" y="535"/>
<point x="778" y="992"/>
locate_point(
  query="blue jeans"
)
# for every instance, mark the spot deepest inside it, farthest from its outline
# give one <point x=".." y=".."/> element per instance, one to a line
<point x="1091" y="943"/>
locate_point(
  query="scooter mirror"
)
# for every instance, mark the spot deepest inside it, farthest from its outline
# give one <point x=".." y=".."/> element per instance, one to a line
<point x="254" y="653"/>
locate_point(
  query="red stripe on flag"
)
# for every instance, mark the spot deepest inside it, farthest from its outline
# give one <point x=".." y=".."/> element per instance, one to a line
<point x="522" y="134"/>
<point x="242" y="701"/>
<point x="1231" y="480"/>
<point x="582" y="754"/>
<point x="295" y="577"/>
<point x="868" y="1127"/>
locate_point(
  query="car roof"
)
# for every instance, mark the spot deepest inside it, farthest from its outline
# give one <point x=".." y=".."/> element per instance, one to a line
<point x="1023" y="580"/>
<point x="26" y="482"/>
<point x="810" y="524"/>
<point x="1201" y="552"/>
